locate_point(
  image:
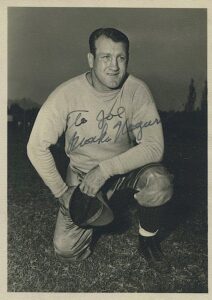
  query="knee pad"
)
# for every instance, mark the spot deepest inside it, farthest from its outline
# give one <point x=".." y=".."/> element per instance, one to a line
<point x="154" y="187"/>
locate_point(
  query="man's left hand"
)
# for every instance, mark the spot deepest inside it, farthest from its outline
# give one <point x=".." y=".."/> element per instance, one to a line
<point x="92" y="182"/>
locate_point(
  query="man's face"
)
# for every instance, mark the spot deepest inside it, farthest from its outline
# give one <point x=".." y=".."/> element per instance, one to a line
<point x="109" y="65"/>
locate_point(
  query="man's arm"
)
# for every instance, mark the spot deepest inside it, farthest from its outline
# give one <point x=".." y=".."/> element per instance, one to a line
<point x="149" y="148"/>
<point x="49" y="125"/>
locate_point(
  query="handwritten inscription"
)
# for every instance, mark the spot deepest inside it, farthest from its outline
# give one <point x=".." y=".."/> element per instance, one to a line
<point x="124" y="127"/>
<point x="75" y="141"/>
<point x="79" y="118"/>
<point x="77" y="114"/>
<point x="102" y="117"/>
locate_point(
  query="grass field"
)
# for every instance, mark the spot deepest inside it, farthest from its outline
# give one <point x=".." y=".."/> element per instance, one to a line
<point x="115" y="265"/>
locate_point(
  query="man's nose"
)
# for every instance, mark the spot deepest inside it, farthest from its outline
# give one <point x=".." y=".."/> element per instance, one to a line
<point x="114" y="63"/>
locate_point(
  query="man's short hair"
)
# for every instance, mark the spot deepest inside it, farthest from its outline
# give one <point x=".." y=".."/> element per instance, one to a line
<point x="112" y="33"/>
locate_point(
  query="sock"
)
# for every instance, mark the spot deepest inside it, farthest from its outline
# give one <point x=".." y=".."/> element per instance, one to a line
<point x="146" y="233"/>
<point x="150" y="218"/>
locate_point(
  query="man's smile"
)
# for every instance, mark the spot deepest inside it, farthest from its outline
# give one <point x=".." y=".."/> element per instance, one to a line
<point x="113" y="74"/>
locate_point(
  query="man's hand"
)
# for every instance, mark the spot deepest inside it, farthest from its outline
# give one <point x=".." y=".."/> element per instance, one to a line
<point x="92" y="182"/>
<point x="65" y="198"/>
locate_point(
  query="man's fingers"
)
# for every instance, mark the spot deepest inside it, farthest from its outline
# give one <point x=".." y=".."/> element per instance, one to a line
<point x="87" y="190"/>
<point x="91" y="183"/>
<point x="92" y="192"/>
<point x="82" y="187"/>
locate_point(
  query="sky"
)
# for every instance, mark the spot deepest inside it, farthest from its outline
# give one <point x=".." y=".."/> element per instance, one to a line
<point x="47" y="46"/>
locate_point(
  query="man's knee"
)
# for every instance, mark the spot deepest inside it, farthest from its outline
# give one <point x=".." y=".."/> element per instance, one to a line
<point x="71" y="249"/>
<point x="62" y="248"/>
<point x="154" y="186"/>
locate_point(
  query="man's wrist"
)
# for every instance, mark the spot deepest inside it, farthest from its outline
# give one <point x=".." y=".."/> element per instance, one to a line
<point x="112" y="166"/>
<point x="66" y="196"/>
<point x="104" y="172"/>
<point x="63" y="197"/>
<point x="63" y="193"/>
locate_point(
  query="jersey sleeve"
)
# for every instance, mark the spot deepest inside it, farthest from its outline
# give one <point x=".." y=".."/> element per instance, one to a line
<point x="48" y="127"/>
<point x="146" y="130"/>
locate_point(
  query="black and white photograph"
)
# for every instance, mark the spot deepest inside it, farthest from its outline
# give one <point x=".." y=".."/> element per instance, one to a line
<point x="107" y="149"/>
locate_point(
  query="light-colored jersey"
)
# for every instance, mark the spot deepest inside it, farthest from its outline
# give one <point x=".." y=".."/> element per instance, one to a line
<point x="119" y="130"/>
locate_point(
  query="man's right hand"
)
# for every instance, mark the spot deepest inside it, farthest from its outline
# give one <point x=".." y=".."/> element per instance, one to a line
<point x="65" y="198"/>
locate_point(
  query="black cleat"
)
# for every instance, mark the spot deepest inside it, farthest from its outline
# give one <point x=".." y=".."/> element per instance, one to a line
<point x="149" y="248"/>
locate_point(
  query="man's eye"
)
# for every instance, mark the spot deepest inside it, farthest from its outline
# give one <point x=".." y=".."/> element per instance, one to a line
<point x="122" y="58"/>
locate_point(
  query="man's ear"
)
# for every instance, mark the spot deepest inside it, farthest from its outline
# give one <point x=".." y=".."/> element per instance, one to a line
<point x="90" y="60"/>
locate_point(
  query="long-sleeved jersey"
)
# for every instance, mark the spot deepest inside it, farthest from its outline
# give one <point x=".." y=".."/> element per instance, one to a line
<point x="119" y="130"/>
